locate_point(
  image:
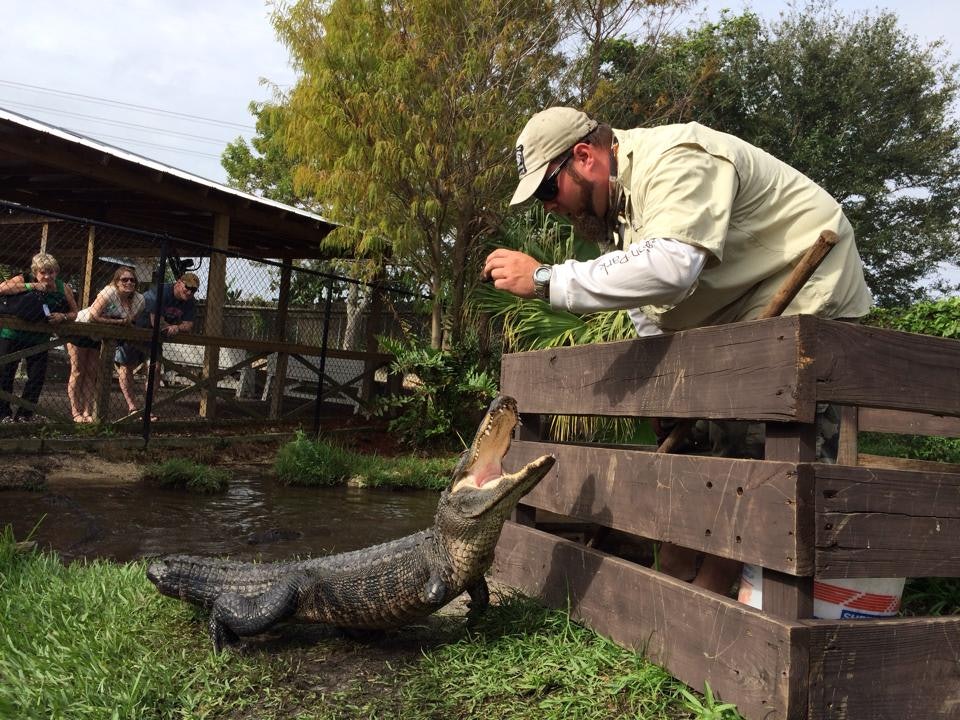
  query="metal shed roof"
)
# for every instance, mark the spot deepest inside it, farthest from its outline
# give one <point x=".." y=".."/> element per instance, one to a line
<point x="55" y="169"/>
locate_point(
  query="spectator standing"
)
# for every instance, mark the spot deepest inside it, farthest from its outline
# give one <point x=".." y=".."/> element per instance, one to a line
<point x="118" y="303"/>
<point x="59" y="299"/>
<point x="175" y="311"/>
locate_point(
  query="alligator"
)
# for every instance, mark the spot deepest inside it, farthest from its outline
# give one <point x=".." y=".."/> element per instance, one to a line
<point x="383" y="586"/>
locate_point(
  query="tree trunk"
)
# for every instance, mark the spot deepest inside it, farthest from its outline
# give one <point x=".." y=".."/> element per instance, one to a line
<point x="357" y="304"/>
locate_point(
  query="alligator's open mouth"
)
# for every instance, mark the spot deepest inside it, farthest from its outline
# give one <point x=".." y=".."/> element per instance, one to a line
<point x="481" y="467"/>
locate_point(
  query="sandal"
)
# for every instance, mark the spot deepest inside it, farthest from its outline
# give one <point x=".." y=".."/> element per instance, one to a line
<point x="153" y="417"/>
<point x="131" y="411"/>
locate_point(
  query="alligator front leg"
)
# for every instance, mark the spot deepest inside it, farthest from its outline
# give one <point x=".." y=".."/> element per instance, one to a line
<point x="234" y="615"/>
<point x="479" y="596"/>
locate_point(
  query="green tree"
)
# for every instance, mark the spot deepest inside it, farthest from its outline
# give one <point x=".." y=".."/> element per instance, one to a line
<point x="854" y="102"/>
<point x="402" y="124"/>
<point x="594" y="24"/>
<point x="265" y="165"/>
<point x="404" y="115"/>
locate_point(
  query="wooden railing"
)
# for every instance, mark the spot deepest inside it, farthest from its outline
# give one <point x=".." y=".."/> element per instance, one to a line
<point x="206" y="376"/>
<point x="794" y="517"/>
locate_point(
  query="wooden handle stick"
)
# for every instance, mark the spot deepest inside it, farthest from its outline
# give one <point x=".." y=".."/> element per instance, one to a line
<point x="778" y="303"/>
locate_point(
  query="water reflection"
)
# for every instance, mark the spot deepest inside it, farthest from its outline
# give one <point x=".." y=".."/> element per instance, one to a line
<point x="257" y="518"/>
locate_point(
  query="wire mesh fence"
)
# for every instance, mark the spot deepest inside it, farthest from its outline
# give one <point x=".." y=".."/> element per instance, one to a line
<point x="230" y="336"/>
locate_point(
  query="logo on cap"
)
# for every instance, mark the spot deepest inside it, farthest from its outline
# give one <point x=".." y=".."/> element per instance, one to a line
<point x="521" y="166"/>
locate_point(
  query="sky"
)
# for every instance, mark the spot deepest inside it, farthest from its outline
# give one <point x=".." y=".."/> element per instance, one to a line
<point x="189" y="59"/>
<point x="173" y="79"/>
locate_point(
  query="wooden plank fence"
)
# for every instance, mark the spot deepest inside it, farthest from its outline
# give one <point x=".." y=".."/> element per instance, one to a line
<point x="794" y="517"/>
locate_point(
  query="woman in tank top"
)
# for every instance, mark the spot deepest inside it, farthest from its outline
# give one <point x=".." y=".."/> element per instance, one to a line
<point x="118" y="303"/>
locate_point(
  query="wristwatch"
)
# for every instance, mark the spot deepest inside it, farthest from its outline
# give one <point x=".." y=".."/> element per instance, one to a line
<point x="541" y="281"/>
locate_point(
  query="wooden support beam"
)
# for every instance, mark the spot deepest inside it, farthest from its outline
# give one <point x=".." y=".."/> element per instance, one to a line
<point x="873" y="522"/>
<point x="698" y="373"/>
<point x="849" y="431"/>
<point x="134" y="179"/>
<point x="884" y="669"/>
<point x="786" y="595"/>
<point x="216" y="299"/>
<point x="700" y="637"/>
<point x="279" y="332"/>
<point x="907" y="423"/>
<point x="871" y="367"/>
<point x="117" y="332"/>
<point x="748" y="510"/>
<point x="87" y="292"/>
<point x="101" y="398"/>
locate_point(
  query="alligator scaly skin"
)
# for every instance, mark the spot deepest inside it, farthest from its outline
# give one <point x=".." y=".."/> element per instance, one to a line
<point x="382" y="586"/>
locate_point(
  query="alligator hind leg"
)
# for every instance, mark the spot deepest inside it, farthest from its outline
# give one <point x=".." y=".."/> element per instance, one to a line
<point x="234" y="615"/>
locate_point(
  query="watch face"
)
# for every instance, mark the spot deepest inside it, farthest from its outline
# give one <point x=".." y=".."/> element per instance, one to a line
<point x="542" y="274"/>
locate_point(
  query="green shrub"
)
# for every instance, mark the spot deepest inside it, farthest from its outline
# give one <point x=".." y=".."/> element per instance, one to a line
<point x="917" y="447"/>
<point x="409" y="472"/>
<point x="186" y="474"/>
<point x="447" y="392"/>
<point x="931" y="596"/>
<point x="323" y="463"/>
<point x="940" y="318"/>
<point x="315" y="462"/>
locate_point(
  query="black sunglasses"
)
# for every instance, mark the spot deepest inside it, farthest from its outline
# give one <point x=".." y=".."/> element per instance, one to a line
<point x="548" y="189"/>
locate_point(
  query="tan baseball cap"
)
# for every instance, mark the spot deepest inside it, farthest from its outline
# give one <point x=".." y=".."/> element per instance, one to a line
<point x="547" y="135"/>
<point x="190" y="280"/>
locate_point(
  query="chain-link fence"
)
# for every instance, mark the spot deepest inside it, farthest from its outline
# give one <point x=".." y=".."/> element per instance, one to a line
<point x="233" y="338"/>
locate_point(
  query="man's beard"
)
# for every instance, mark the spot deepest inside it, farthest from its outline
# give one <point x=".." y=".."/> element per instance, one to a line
<point x="587" y="223"/>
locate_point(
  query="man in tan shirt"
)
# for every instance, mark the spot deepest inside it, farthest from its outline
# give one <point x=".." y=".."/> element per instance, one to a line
<point x="705" y="228"/>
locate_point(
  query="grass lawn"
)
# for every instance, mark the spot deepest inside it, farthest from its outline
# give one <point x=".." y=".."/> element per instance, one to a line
<point x="95" y="640"/>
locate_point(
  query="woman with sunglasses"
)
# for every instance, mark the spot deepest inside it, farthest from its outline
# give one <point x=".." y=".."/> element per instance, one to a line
<point x="118" y="303"/>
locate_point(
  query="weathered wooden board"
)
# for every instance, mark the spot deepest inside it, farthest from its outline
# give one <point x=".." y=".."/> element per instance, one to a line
<point x="751" y="510"/>
<point x="757" y="662"/>
<point x="872" y="522"/>
<point x="857" y="365"/>
<point x="908" y="423"/>
<point x="885" y="669"/>
<point x="898" y="463"/>
<point x="755" y="370"/>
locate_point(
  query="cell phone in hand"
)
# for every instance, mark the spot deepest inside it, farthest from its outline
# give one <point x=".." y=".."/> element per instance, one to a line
<point x="46" y="310"/>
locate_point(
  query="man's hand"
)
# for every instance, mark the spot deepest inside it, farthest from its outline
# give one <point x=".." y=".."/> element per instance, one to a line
<point x="512" y="271"/>
<point x="171" y="330"/>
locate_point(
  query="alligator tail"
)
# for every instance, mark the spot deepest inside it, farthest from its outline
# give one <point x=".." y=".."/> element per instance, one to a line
<point x="201" y="580"/>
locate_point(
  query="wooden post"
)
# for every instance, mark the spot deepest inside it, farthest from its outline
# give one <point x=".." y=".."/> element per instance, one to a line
<point x="88" y="269"/>
<point x="101" y="398"/>
<point x="213" y="319"/>
<point x="788" y="596"/>
<point x="848" y="449"/>
<point x="279" y="332"/>
<point x="43" y="237"/>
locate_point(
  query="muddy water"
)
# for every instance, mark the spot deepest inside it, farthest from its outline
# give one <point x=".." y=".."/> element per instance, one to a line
<point x="257" y="518"/>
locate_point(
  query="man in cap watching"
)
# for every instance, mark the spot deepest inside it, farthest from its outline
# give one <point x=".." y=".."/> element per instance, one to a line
<point x="702" y="229"/>
<point x="175" y="312"/>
